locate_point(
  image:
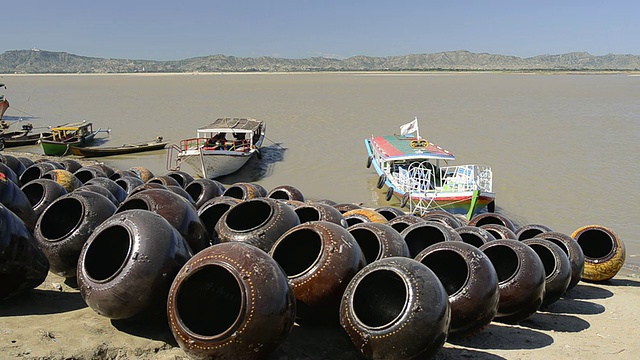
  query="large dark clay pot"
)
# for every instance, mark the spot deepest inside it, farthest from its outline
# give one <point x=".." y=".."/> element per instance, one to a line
<point x="118" y="192"/>
<point x="181" y="177"/>
<point x="422" y="235"/>
<point x="14" y="163"/>
<point x="211" y="211"/>
<point x="259" y="222"/>
<point x="474" y="235"/>
<point x="531" y="230"/>
<point x="203" y="190"/>
<point x="87" y="173"/>
<point x="316" y="211"/>
<point x="38" y="169"/>
<point x="245" y="191"/>
<point x="521" y="278"/>
<point x="357" y="216"/>
<point x="127" y="266"/>
<point x="378" y="241"/>
<point x="573" y="251"/>
<point x="65" y="226"/>
<point x="63" y="177"/>
<point x="402" y="222"/>
<point x="470" y="280"/>
<point x="492" y="218"/>
<point x="556" y="266"/>
<point x="23" y="265"/>
<point x="395" y="309"/>
<point x="41" y="193"/>
<point x="230" y="301"/>
<point x="319" y="258"/>
<point x="12" y="197"/>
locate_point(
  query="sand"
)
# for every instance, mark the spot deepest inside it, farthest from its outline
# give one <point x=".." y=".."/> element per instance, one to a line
<point x="592" y="321"/>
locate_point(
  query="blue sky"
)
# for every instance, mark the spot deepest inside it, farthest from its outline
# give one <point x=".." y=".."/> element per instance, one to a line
<point x="180" y="29"/>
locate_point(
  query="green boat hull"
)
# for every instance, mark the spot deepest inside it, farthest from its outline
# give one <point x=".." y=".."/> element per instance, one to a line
<point x="54" y="148"/>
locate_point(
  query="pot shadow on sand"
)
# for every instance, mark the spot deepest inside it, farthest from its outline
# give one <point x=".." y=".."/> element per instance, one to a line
<point x="145" y="327"/>
<point x="574" y="307"/>
<point x="585" y="291"/>
<point x="456" y="353"/>
<point x="42" y="302"/>
<point x="623" y="282"/>
<point x="504" y="337"/>
<point x="256" y="169"/>
<point x="555" y="322"/>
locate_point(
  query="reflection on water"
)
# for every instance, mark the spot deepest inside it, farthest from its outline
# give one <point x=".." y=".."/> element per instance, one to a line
<point x="562" y="147"/>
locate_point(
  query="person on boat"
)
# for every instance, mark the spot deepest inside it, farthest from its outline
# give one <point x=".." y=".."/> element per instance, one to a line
<point x="217" y="141"/>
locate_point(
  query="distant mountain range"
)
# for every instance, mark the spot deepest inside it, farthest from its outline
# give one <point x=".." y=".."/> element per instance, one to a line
<point x="36" y="61"/>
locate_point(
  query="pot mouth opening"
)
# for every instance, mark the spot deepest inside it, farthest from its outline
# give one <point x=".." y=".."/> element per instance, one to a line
<point x="547" y="257"/>
<point x="596" y="244"/>
<point x="195" y="190"/>
<point x="249" y="215"/>
<point x="298" y="251"/>
<point x="107" y="254"/>
<point x="281" y="195"/>
<point x="212" y="214"/>
<point x="380" y="298"/>
<point x="450" y="267"/>
<point x="210" y="302"/>
<point x="423" y="236"/>
<point x="505" y="261"/>
<point x="34" y="192"/>
<point x="133" y="204"/>
<point x="369" y="243"/>
<point x="31" y="173"/>
<point x="61" y="218"/>
<point x="472" y="239"/>
<point x="308" y="214"/>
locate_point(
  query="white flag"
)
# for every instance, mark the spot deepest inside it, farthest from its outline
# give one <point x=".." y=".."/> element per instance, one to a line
<point x="409" y="128"/>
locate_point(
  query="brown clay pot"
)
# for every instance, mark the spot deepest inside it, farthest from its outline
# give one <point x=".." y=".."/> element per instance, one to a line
<point x="422" y="235"/>
<point x="316" y="211"/>
<point x="573" y="251"/>
<point x="396" y="308"/>
<point x="390" y="212"/>
<point x="70" y="165"/>
<point x="378" y="241"/>
<point x="259" y="222"/>
<point x="181" y="177"/>
<point x="344" y="207"/>
<point x="471" y="283"/>
<point x="41" y="193"/>
<point x="556" y="266"/>
<point x="492" y="218"/>
<point x="87" y="173"/>
<point x="319" y="259"/>
<point x="142" y="172"/>
<point x="474" y="235"/>
<point x="442" y="217"/>
<point x="23" y="266"/>
<point x="164" y="180"/>
<point x="500" y="231"/>
<point x="604" y="252"/>
<point x="65" y="226"/>
<point x="117" y="174"/>
<point x="230" y="301"/>
<point x="36" y="171"/>
<point x="118" y="192"/>
<point x="175" y="209"/>
<point x="127" y="266"/>
<point x="211" y="211"/>
<point x="12" y="197"/>
<point x="245" y="191"/>
<point x="521" y="278"/>
<point x="203" y="190"/>
<point x="129" y="183"/>
<point x="404" y="221"/>
<point x="63" y="177"/>
<point x="13" y="163"/>
<point x="285" y="192"/>
<point x="100" y="190"/>
<point x="361" y="215"/>
<point x="531" y="230"/>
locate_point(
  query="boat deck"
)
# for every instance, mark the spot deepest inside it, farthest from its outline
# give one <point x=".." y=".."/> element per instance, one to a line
<point x="397" y="146"/>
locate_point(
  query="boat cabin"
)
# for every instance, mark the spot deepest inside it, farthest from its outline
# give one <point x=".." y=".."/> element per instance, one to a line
<point x="69" y="132"/>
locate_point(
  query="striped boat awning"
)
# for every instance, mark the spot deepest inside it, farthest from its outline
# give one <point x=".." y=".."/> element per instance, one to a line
<point x="398" y="146"/>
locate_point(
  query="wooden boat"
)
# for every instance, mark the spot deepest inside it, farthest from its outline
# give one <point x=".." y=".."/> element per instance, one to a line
<point x="4" y="103"/>
<point x="417" y="172"/>
<point x="64" y="137"/>
<point x="22" y="137"/>
<point x="219" y="148"/>
<point x="96" y="151"/>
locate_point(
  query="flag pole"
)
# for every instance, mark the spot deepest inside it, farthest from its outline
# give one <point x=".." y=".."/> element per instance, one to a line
<point x="417" y="128"/>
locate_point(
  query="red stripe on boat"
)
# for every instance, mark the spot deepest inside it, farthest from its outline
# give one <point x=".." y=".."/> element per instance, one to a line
<point x="385" y="147"/>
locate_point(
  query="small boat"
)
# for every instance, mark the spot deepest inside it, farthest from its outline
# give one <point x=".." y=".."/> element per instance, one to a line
<point x="219" y="148"/>
<point x="96" y="151"/>
<point x="417" y="172"/>
<point x="66" y="136"/>
<point x="4" y="103"/>
<point x="22" y="137"/>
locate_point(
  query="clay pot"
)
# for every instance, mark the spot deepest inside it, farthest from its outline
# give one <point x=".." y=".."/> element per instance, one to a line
<point x="23" y="266"/>
<point x="285" y="192"/>
<point x="315" y="211"/>
<point x="87" y="173"/>
<point x="230" y="301"/>
<point x="143" y="173"/>
<point x="344" y="207"/>
<point x="25" y="161"/>
<point x="65" y="226"/>
<point x="573" y="251"/>
<point x="7" y="174"/>
<point x="100" y="190"/>
<point x="319" y="259"/>
<point x="70" y="165"/>
<point x="492" y="218"/>
<point x="129" y="183"/>
<point x="389" y="212"/>
<point x="41" y="193"/>
<point x="357" y="216"/>
<point x="147" y="186"/>
<point x="474" y="235"/>
<point x="422" y="235"/>
<point x="117" y="174"/>
<point x="164" y="180"/>
<point x="245" y="191"/>
<point x="531" y="230"/>
<point x="604" y="252"/>
<point x="500" y="231"/>
<point x="108" y="170"/>
<point x="556" y="266"/>
<point x="182" y="192"/>
<point x="442" y="217"/>
<point x="181" y="177"/>
<point x="521" y="278"/>
<point x="175" y="209"/>
<point x="127" y="266"/>
<point x="470" y="280"/>
<point x="378" y="241"/>
<point x="13" y="163"/>
<point x="404" y="221"/>
<point x="63" y="177"/>
<point x="211" y="211"/>
<point x="15" y="200"/>
<point x="396" y="308"/>
<point x="36" y="171"/>
<point x="203" y="190"/>
<point x="259" y="222"/>
<point x="116" y="190"/>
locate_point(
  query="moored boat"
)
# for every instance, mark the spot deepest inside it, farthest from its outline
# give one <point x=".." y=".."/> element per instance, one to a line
<point x="4" y="103"/>
<point x="64" y="137"/>
<point x="219" y="148"/>
<point x="96" y="151"/>
<point x="417" y="171"/>
<point x="22" y="137"/>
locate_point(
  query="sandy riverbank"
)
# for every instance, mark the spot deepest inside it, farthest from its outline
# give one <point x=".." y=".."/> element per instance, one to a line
<point x="592" y="321"/>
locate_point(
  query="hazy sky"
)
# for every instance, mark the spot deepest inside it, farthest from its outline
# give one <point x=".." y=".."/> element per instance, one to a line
<point x="180" y="29"/>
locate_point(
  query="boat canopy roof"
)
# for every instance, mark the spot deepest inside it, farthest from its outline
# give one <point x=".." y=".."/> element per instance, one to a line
<point x="72" y="126"/>
<point x="399" y="147"/>
<point x="231" y="125"/>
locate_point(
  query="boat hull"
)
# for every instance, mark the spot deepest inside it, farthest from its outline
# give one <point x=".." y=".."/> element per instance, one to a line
<point x="96" y="151"/>
<point x="214" y="164"/>
<point x="4" y="105"/>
